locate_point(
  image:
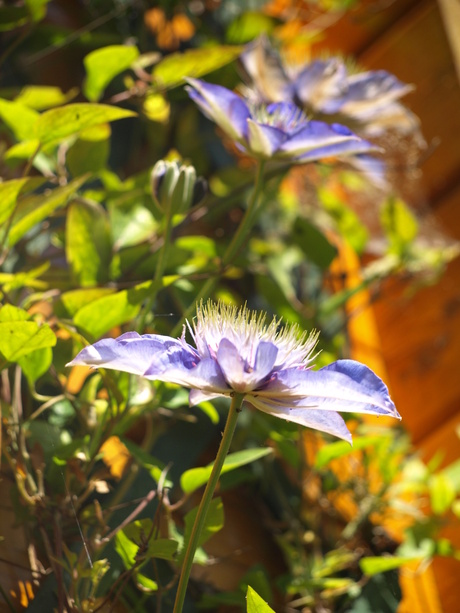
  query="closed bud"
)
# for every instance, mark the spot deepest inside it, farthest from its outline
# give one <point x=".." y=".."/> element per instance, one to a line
<point x="173" y="186"/>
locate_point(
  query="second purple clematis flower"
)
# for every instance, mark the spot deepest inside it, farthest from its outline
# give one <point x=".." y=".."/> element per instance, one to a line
<point x="235" y="351"/>
<point x="275" y="131"/>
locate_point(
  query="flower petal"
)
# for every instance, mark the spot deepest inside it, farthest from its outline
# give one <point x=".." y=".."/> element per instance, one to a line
<point x="264" y="140"/>
<point x="325" y="421"/>
<point x="243" y="377"/>
<point x="320" y="85"/>
<point x="196" y="396"/>
<point x="345" y="385"/>
<point x="368" y="92"/>
<point x="205" y="376"/>
<point x="221" y="105"/>
<point x="315" y="135"/>
<point x="133" y="353"/>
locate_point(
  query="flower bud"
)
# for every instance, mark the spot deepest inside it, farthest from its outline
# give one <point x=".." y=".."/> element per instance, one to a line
<point x="173" y="186"/>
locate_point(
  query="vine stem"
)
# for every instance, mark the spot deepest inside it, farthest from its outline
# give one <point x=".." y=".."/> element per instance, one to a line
<point x="237" y="241"/>
<point x="159" y="270"/>
<point x="203" y="509"/>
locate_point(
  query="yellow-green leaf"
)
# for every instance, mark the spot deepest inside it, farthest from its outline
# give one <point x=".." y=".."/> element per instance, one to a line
<point x="34" y="209"/>
<point x="171" y="71"/>
<point x="255" y="604"/>
<point x="57" y="124"/>
<point x="102" y="65"/>
<point x="41" y="97"/>
<point x="196" y="477"/>
<point x="18" y="338"/>
<point x="19" y="118"/>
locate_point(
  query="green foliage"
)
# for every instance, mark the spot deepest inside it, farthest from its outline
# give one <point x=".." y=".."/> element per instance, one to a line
<point x="196" y="477"/>
<point x="103" y="468"/>
<point x="255" y="604"/>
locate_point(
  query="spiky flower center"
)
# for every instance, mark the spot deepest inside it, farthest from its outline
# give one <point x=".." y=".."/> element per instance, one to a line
<point x="245" y="329"/>
<point x="282" y="115"/>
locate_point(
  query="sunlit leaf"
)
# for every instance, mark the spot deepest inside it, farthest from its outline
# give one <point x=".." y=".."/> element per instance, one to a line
<point x="192" y="63"/>
<point x="34" y="209"/>
<point x="156" y="108"/>
<point x="399" y="224"/>
<point x="255" y="604"/>
<point x="36" y="364"/>
<point x="442" y="493"/>
<point x="196" y="477"/>
<point x="9" y="191"/>
<point x="248" y="26"/>
<point x="37" y="9"/>
<point x="338" y="449"/>
<point x="113" y="310"/>
<point x="41" y="97"/>
<point x="19" y="118"/>
<point x="18" y="338"/>
<point x="346" y="220"/>
<point x="88" y="243"/>
<point x="102" y="65"/>
<point x="57" y="124"/>
<point x="76" y="299"/>
<point x="381" y="564"/>
<point x="90" y="152"/>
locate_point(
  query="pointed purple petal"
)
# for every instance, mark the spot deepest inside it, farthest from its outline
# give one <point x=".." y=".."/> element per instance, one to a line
<point x="221" y="105"/>
<point x="205" y="376"/>
<point x="345" y="385"/>
<point x="231" y="364"/>
<point x="325" y="421"/>
<point x="264" y="140"/>
<point x="321" y="85"/>
<point x="265" y="359"/>
<point x="132" y="352"/>
<point x="196" y="396"/>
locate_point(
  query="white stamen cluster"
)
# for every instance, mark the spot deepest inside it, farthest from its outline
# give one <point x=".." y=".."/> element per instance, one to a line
<point x="284" y="116"/>
<point x="246" y="329"/>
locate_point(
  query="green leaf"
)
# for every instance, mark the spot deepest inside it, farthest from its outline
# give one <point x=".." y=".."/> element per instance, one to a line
<point x="102" y="65"/>
<point x="338" y="449"/>
<point x="90" y="152"/>
<point x="36" y="364"/>
<point x="126" y="549"/>
<point x="399" y="225"/>
<point x="148" y="585"/>
<point x="9" y="313"/>
<point x="214" y="522"/>
<point x="37" y="9"/>
<point x="42" y="97"/>
<point x="58" y="124"/>
<point x="18" y="338"/>
<point x="19" y="118"/>
<point x="247" y="26"/>
<point x="131" y="224"/>
<point x="346" y="220"/>
<point x="34" y="209"/>
<point x="88" y="243"/>
<point x="196" y="477"/>
<point x="171" y="71"/>
<point x="255" y="604"/>
<point x="442" y="493"/>
<point x="375" y="565"/>
<point x="75" y="300"/>
<point x="9" y="191"/>
<point x="103" y="314"/>
<point x="313" y="243"/>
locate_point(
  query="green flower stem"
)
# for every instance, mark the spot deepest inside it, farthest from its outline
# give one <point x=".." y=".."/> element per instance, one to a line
<point x="200" y="518"/>
<point x="238" y="240"/>
<point x="159" y="270"/>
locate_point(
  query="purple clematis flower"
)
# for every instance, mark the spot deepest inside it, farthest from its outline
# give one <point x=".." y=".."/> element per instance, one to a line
<point x="236" y="351"/>
<point x="367" y="100"/>
<point x="275" y="131"/>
